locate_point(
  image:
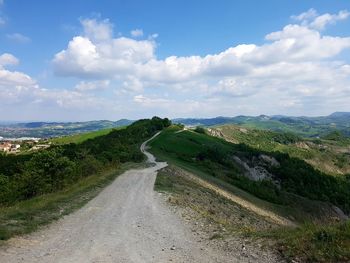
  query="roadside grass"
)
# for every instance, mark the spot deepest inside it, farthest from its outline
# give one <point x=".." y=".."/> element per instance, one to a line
<point x="313" y="242"/>
<point x="27" y="216"/>
<point x="207" y="204"/>
<point x="81" y="137"/>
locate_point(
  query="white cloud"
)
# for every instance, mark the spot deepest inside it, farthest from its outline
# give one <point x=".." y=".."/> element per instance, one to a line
<point x="320" y="22"/>
<point x="147" y="101"/>
<point x="296" y="42"/>
<point x="19" y="38"/>
<point x="97" y="30"/>
<point x="13" y="83"/>
<point x="97" y="54"/>
<point x="294" y="65"/>
<point x="136" y="33"/>
<point x="13" y="79"/>
<point x="119" y="57"/>
<point x="297" y="70"/>
<point x="132" y="84"/>
<point x="235" y="87"/>
<point x="8" y="59"/>
<point x="20" y="91"/>
<point x="306" y="16"/>
<point x="92" y="85"/>
<point x="312" y="19"/>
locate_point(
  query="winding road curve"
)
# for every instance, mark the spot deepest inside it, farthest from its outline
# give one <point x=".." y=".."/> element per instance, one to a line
<point x="126" y="222"/>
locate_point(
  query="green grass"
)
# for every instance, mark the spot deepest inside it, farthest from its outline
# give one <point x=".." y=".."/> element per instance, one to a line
<point x="164" y="183"/>
<point x="27" y="216"/>
<point x="181" y="150"/>
<point x="313" y="242"/>
<point x="308" y="242"/>
<point x="301" y="127"/>
<point x="170" y="147"/>
<point x="81" y="137"/>
<point x="328" y="156"/>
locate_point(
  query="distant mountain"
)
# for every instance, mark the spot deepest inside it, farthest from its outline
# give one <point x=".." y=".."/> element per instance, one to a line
<point x="304" y="126"/>
<point x="340" y="115"/>
<point x="54" y="129"/>
<point x="204" y="122"/>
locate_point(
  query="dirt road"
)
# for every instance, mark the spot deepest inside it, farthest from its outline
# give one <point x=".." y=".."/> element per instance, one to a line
<point x="126" y="222"/>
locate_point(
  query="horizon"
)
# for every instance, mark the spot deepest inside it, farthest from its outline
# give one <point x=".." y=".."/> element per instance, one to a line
<point x="176" y="118"/>
<point x="111" y="60"/>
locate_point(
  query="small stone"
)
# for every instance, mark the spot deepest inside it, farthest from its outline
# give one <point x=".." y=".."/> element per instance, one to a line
<point x="173" y="248"/>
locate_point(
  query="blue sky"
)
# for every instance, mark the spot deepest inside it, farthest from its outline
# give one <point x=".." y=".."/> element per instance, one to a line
<point x="81" y="60"/>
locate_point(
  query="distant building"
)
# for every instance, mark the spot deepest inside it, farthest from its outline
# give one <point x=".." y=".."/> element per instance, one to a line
<point x="40" y="146"/>
<point x="5" y="147"/>
<point x="15" y="148"/>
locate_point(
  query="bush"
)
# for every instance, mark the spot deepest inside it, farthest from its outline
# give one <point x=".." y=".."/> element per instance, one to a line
<point x="199" y="129"/>
<point x="4" y="188"/>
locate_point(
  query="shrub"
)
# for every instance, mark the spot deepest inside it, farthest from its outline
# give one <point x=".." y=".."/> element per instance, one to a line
<point x="199" y="129"/>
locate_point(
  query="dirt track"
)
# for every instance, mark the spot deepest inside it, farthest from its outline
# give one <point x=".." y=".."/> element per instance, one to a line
<point x="126" y="222"/>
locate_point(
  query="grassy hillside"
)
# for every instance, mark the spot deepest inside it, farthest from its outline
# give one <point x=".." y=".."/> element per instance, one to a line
<point x="303" y="194"/>
<point x="81" y="137"/>
<point x="303" y="126"/>
<point x="290" y="182"/>
<point x="224" y="220"/>
<point x="330" y="154"/>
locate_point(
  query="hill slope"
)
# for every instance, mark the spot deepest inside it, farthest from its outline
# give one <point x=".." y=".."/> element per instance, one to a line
<point x="272" y="181"/>
<point x="304" y="126"/>
<point x="330" y="155"/>
<point x="271" y="176"/>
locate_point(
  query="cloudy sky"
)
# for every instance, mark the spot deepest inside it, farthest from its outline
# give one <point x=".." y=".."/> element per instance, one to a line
<point x="83" y="59"/>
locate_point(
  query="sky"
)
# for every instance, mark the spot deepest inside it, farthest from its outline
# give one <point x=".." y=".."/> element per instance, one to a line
<point x="81" y="60"/>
